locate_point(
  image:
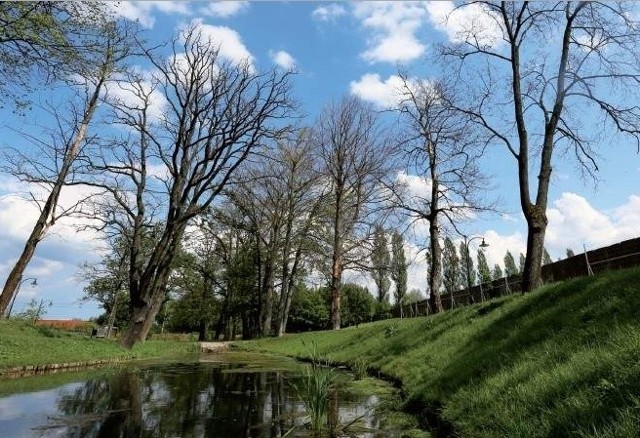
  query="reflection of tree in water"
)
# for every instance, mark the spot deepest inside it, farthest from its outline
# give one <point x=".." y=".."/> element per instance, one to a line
<point x="108" y="407"/>
<point x="182" y="400"/>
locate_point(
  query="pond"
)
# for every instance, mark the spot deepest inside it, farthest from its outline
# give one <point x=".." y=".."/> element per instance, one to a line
<point x="226" y="395"/>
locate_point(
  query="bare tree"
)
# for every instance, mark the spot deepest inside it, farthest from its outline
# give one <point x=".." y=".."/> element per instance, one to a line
<point x="216" y="115"/>
<point x="51" y="166"/>
<point x="444" y="146"/>
<point x="562" y="62"/>
<point x="304" y="199"/>
<point x="280" y="202"/>
<point x="354" y="159"/>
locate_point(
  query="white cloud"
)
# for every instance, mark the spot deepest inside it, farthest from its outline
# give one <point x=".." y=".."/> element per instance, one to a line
<point x="14" y="204"/>
<point x="228" y="40"/>
<point x="384" y="94"/>
<point x="573" y="221"/>
<point x="45" y="267"/>
<point x="225" y="9"/>
<point x="283" y="59"/>
<point x="417" y="270"/>
<point x="464" y="23"/>
<point x="394" y="26"/>
<point x="142" y="12"/>
<point x="389" y="93"/>
<point x="330" y="12"/>
<point x="499" y="244"/>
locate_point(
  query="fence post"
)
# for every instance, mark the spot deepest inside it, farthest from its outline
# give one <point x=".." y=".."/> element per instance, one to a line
<point x="586" y="258"/>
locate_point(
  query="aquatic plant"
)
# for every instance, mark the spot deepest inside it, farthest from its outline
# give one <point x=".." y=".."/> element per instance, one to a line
<point x="318" y="382"/>
<point x="359" y="368"/>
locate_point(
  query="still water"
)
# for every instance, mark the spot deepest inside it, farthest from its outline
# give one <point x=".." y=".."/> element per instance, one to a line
<point x="211" y="398"/>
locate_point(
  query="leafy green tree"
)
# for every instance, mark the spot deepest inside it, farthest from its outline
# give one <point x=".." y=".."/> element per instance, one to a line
<point x="483" y="268"/>
<point x="195" y="282"/>
<point x="497" y="272"/>
<point x="398" y="266"/>
<point x="309" y="310"/>
<point x="186" y="313"/>
<point x="570" y="253"/>
<point x="242" y="300"/>
<point x="510" y="267"/>
<point x="413" y="296"/>
<point x="43" y="41"/>
<point x="381" y="263"/>
<point x="450" y="266"/>
<point x="359" y="306"/>
<point x="467" y="270"/>
<point x="108" y="279"/>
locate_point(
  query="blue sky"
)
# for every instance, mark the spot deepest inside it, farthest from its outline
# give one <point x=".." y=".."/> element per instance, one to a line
<point x="337" y="49"/>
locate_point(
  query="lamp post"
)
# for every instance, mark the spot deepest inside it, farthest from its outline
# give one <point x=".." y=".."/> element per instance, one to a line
<point x="467" y="256"/>
<point x="34" y="282"/>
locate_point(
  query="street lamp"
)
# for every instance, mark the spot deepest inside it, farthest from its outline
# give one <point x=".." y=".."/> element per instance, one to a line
<point x="34" y="282"/>
<point x="467" y="242"/>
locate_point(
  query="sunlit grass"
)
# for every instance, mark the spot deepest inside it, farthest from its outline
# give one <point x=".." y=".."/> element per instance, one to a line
<point x="23" y="344"/>
<point x="561" y="361"/>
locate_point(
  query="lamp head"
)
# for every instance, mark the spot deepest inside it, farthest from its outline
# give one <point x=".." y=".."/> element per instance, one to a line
<point x="483" y="244"/>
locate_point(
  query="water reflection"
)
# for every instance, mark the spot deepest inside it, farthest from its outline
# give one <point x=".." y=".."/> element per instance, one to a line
<point x="178" y="400"/>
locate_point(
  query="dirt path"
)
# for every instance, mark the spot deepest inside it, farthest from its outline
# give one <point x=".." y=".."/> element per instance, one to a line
<point x="214" y="347"/>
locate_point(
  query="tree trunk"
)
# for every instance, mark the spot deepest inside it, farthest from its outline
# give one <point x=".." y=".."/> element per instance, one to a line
<point x="267" y="297"/>
<point x="435" y="277"/>
<point x="536" y="227"/>
<point x="336" y="290"/>
<point x="15" y="276"/>
<point x="142" y="318"/>
<point x="47" y="213"/>
<point x="337" y="264"/>
<point x="288" y="282"/>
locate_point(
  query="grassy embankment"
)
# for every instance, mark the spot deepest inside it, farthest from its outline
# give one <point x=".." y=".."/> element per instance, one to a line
<point x="22" y="344"/>
<point x="561" y="361"/>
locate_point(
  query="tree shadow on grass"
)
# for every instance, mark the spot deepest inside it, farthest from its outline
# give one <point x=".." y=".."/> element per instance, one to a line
<point x="563" y="317"/>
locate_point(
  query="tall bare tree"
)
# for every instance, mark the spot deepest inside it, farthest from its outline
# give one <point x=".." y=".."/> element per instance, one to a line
<point x="444" y="146"/>
<point x="51" y="166"/>
<point x="353" y="156"/>
<point x="562" y="62"/>
<point x="280" y="198"/>
<point x="217" y="114"/>
<point x="305" y="196"/>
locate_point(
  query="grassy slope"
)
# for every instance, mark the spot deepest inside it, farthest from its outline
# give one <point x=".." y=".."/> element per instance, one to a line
<point x="562" y="361"/>
<point x="23" y="344"/>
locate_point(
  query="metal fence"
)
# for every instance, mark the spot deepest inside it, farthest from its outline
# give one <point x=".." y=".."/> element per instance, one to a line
<point x="622" y="255"/>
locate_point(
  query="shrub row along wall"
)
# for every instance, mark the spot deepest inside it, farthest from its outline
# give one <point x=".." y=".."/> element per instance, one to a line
<point x="622" y="255"/>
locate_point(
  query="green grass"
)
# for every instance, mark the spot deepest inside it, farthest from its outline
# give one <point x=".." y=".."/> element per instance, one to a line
<point x="23" y="344"/>
<point x="561" y="361"/>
